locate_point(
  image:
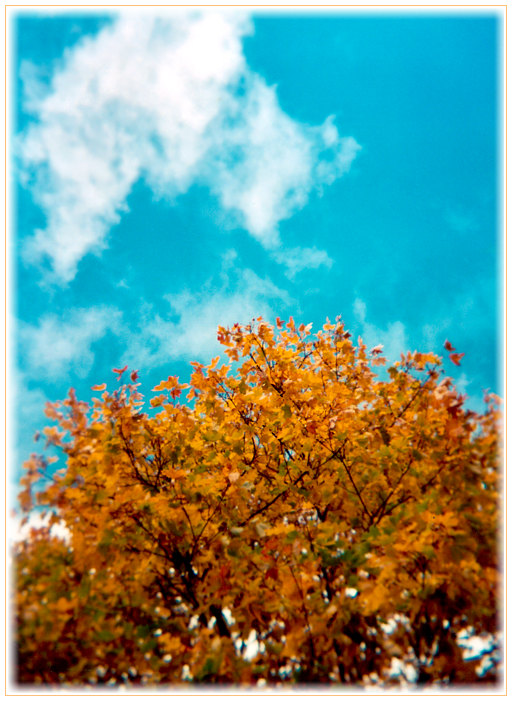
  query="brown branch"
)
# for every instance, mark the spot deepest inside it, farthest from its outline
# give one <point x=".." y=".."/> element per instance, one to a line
<point x="341" y="458"/>
<point x="381" y="510"/>
<point x="411" y="400"/>
<point x="268" y="504"/>
<point x="217" y="506"/>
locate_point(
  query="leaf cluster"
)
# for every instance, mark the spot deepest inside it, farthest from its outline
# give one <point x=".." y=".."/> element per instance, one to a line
<point x="297" y="515"/>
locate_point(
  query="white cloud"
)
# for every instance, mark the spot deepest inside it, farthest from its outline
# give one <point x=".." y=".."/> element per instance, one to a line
<point x="169" y="99"/>
<point x="279" y="161"/>
<point x="190" y="329"/>
<point x="297" y="259"/>
<point x="393" y="338"/>
<point x="57" y="345"/>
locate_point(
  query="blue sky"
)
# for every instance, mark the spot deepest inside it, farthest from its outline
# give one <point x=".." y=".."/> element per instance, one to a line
<point x="176" y="172"/>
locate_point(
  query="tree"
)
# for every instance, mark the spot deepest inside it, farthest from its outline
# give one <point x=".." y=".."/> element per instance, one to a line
<point x="304" y="515"/>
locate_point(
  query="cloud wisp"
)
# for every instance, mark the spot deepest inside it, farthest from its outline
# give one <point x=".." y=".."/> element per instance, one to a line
<point x="393" y="338"/>
<point x="189" y="329"/>
<point x="57" y="346"/>
<point x="169" y="100"/>
<point x="297" y="259"/>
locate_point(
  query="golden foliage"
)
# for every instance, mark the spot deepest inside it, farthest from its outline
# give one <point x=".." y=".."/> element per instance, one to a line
<point x="342" y="518"/>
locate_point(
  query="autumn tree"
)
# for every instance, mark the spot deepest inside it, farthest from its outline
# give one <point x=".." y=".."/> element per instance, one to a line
<point x="305" y="513"/>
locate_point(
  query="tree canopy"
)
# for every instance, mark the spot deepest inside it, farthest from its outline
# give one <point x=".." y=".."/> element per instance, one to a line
<point x="304" y="513"/>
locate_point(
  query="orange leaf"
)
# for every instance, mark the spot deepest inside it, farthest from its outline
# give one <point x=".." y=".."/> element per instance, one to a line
<point x="99" y="388"/>
<point x="120" y="371"/>
<point x="455" y="357"/>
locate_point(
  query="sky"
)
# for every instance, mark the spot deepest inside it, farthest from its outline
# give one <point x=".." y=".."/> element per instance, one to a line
<point x="172" y="172"/>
